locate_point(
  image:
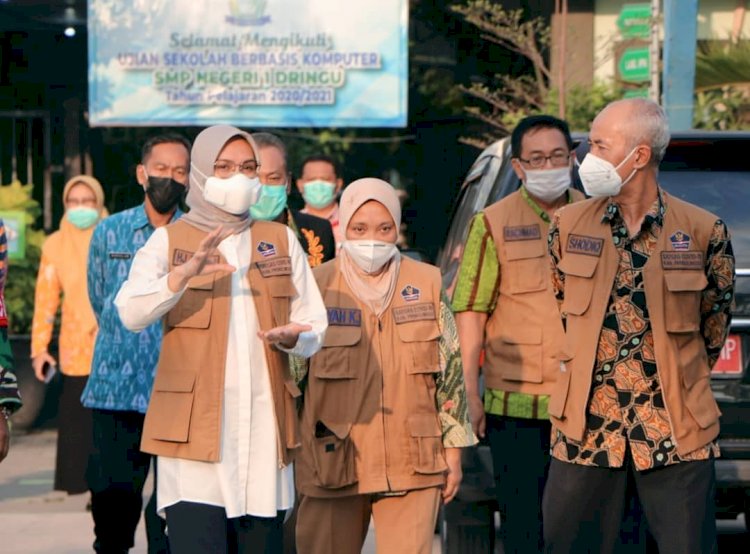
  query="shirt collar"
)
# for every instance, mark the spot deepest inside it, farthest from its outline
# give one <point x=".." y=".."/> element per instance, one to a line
<point x="536" y="207"/>
<point x="655" y="213"/>
<point x="140" y="219"/>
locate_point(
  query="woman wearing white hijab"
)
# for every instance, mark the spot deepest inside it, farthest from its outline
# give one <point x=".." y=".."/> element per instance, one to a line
<point x="385" y="410"/>
<point x="236" y="296"/>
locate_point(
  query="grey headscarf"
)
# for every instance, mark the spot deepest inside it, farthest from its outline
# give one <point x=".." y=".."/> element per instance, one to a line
<point x="206" y="148"/>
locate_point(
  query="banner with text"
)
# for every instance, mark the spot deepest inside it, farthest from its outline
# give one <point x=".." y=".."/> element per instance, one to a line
<point x="250" y="63"/>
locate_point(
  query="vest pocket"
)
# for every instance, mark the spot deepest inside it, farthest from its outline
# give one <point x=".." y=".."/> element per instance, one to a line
<point x="334" y="361"/>
<point x="193" y="310"/>
<point x="282" y="290"/>
<point x="172" y="400"/>
<point x="421" y="342"/>
<point x="529" y="266"/>
<point x="427" y="453"/>
<point x="696" y="378"/>
<point x="682" y="301"/>
<point x="579" y="285"/>
<point x="519" y="352"/>
<point x="333" y="455"/>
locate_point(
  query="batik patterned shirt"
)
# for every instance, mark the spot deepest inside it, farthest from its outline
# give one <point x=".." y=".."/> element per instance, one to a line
<point x="124" y="363"/>
<point x="626" y="412"/>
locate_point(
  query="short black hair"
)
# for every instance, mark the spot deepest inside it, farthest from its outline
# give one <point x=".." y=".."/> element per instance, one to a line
<point x="164" y="138"/>
<point x="320" y="158"/>
<point x="538" y="122"/>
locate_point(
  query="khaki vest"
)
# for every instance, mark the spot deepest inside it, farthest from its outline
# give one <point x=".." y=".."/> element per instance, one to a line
<point x="370" y="423"/>
<point x="524" y="332"/>
<point x="184" y="414"/>
<point x="673" y="283"/>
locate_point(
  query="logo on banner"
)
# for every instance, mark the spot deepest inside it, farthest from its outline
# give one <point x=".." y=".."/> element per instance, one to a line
<point x="248" y="13"/>
<point x="680" y="241"/>
<point x="410" y="293"/>
<point x="266" y="249"/>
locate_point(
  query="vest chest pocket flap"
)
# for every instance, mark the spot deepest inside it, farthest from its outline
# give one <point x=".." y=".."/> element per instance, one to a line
<point x="427" y="454"/>
<point x="421" y="343"/>
<point x="194" y="308"/>
<point x="682" y="300"/>
<point x="528" y="265"/>
<point x="335" y="359"/>
<point x="333" y="455"/>
<point x="282" y="291"/>
<point x="171" y="405"/>
<point x="579" y="285"/>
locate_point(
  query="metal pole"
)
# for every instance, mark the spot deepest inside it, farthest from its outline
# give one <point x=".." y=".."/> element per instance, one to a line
<point x="680" y="37"/>
<point x="654" y="52"/>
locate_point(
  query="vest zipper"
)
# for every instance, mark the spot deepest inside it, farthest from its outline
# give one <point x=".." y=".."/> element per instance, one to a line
<point x="382" y="399"/>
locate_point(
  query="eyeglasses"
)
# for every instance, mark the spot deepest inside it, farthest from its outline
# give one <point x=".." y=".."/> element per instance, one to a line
<point x="558" y="159"/>
<point x="226" y="168"/>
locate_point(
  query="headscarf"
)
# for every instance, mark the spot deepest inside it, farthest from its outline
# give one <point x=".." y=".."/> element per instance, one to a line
<point x="374" y="290"/>
<point x="206" y="148"/>
<point x="72" y="254"/>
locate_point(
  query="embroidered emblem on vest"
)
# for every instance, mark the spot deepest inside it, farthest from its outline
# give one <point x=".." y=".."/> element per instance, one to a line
<point x="277" y="266"/>
<point x="179" y="257"/>
<point x="522" y="232"/>
<point x="680" y="241"/>
<point x="580" y="244"/>
<point x="692" y="259"/>
<point x="120" y="255"/>
<point x="417" y="312"/>
<point x="344" y="317"/>
<point x="266" y="249"/>
<point x="410" y="293"/>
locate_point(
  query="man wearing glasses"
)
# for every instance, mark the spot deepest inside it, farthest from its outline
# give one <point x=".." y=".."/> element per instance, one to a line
<point x="505" y="306"/>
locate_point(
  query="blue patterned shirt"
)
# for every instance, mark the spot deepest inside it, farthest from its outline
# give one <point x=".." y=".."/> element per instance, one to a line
<point x="124" y="363"/>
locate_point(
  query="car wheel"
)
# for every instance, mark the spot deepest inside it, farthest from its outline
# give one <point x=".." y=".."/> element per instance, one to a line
<point x="31" y="389"/>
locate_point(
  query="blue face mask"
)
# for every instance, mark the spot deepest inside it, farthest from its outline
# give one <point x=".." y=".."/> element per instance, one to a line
<point x="82" y="217"/>
<point x="319" y="194"/>
<point x="270" y="204"/>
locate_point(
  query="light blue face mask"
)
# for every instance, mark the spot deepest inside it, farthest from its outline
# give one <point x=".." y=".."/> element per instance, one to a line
<point x="82" y="217"/>
<point x="270" y="204"/>
<point x="319" y="194"/>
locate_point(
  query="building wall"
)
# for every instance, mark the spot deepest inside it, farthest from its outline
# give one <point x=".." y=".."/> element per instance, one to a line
<point x="715" y="21"/>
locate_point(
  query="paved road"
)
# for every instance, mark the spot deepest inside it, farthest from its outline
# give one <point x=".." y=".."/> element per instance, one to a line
<point x="37" y="520"/>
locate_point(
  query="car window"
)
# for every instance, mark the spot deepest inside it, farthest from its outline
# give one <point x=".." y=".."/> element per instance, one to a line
<point x="724" y="193"/>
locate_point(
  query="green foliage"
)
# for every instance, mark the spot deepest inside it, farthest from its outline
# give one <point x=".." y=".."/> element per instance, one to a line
<point x="583" y="103"/>
<point x="719" y="64"/>
<point x="21" y="282"/>
<point x="722" y="109"/>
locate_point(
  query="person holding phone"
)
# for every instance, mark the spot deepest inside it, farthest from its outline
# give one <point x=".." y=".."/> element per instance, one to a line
<point x="62" y="274"/>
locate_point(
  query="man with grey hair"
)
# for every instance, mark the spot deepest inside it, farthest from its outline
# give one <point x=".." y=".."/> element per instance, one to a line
<point x="645" y="283"/>
<point x="314" y="233"/>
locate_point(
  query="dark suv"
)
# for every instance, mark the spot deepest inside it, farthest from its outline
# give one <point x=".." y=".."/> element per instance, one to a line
<point x="709" y="169"/>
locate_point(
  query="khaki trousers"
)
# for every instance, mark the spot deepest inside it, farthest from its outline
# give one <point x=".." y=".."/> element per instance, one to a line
<point x="403" y="524"/>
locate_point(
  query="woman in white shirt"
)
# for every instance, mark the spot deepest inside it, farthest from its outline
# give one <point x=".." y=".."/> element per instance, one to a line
<point x="231" y="499"/>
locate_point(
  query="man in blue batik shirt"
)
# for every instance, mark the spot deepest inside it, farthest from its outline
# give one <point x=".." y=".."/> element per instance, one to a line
<point x="122" y="370"/>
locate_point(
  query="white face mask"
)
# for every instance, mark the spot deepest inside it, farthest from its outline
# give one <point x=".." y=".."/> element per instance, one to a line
<point x="600" y="177"/>
<point x="370" y="255"/>
<point x="233" y="195"/>
<point x="547" y="184"/>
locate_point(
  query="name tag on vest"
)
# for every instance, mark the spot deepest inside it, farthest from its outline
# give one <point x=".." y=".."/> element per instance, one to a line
<point x="120" y="255"/>
<point x="344" y="317"/>
<point x="581" y="244"/>
<point x="692" y="259"/>
<point x="417" y="312"/>
<point x="522" y="232"/>
<point x="276" y="266"/>
<point x="179" y="257"/>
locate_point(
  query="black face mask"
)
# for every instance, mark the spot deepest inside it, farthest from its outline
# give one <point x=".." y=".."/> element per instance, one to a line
<point x="165" y="193"/>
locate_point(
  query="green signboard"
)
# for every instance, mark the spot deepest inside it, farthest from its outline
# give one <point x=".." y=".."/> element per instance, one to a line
<point x="634" y="20"/>
<point x="636" y="93"/>
<point x="635" y="65"/>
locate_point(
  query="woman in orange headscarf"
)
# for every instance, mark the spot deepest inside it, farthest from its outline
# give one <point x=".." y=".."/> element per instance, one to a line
<point x="62" y="272"/>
